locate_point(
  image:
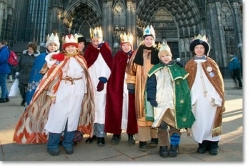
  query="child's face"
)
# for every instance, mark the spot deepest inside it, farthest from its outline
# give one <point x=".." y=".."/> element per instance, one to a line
<point x="95" y="41"/>
<point x="165" y="58"/>
<point x="70" y="49"/>
<point x="30" y="50"/>
<point x="81" y="46"/>
<point x="52" y="47"/>
<point x="149" y="41"/>
<point x="126" y="47"/>
<point x="199" y="50"/>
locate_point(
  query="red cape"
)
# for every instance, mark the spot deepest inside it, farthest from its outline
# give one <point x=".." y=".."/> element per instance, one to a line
<point x="114" y="98"/>
<point x="91" y="53"/>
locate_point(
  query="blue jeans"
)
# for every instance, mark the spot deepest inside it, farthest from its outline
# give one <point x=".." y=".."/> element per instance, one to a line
<point x="4" y="89"/>
<point x="67" y="142"/>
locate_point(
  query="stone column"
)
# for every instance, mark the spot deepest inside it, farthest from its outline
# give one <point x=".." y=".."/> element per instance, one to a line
<point x="2" y="6"/>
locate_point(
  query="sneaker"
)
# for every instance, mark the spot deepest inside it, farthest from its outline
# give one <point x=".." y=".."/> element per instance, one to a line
<point x="131" y="140"/>
<point x="53" y="152"/>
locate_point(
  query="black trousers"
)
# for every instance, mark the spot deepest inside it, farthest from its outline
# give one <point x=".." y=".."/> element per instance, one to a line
<point x="236" y="75"/>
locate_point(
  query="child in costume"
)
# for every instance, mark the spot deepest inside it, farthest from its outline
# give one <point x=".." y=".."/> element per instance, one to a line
<point x="207" y="92"/>
<point x="81" y="43"/>
<point x="63" y="102"/>
<point x="168" y="93"/>
<point x="99" y="59"/>
<point x="142" y="60"/>
<point x="120" y="108"/>
<point x="52" y="46"/>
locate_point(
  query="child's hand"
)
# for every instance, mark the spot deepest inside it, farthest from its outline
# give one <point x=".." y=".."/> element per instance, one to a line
<point x="59" y="57"/>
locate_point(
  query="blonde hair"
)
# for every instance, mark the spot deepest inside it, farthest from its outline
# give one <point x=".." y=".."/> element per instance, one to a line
<point x="168" y="53"/>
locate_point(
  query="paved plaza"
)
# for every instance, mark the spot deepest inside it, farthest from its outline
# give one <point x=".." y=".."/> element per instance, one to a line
<point x="231" y="149"/>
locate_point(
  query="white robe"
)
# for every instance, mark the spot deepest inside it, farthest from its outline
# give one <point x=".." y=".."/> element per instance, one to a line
<point x="125" y="105"/>
<point x="97" y="70"/>
<point x="68" y="100"/>
<point x="205" y="100"/>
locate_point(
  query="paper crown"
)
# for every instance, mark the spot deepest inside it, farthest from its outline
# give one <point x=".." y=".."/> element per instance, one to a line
<point x="96" y="32"/>
<point x="164" y="47"/>
<point x="126" y="38"/>
<point x="203" y="38"/>
<point x="69" y="40"/>
<point x="79" y="37"/>
<point x="200" y="40"/>
<point x="149" y="30"/>
<point x="53" y="38"/>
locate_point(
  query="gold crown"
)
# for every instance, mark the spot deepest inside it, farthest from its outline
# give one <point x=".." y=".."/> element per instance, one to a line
<point x="149" y="30"/>
<point x="203" y="38"/>
<point x="96" y="32"/>
<point x="126" y="38"/>
<point x="69" y="39"/>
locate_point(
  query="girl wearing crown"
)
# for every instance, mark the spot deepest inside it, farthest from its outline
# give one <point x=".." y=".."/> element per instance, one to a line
<point x="207" y="92"/>
<point x="99" y="60"/>
<point x="168" y="102"/>
<point x="65" y="101"/>
<point x="52" y="46"/>
<point x="142" y="60"/>
<point x="120" y="108"/>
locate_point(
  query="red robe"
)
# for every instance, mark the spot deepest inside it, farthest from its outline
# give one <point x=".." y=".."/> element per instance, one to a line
<point x="114" y="98"/>
<point x="92" y="53"/>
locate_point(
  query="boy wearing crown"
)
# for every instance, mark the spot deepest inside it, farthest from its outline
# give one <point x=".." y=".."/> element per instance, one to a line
<point x="207" y="92"/>
<point x="65" y="101"/>
<point x="99" y="60"/>
<point x="52" y="46"/>
<point x="142" y="60"/>
<point x="120" y="108"/>
<point x="168" y="102"/>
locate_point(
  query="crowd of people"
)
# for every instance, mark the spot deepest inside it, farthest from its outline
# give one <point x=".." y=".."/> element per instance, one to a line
<point x="142" y="91"/>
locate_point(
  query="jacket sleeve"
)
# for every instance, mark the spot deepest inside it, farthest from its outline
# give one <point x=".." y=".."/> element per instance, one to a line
<point x="151" y="87"/>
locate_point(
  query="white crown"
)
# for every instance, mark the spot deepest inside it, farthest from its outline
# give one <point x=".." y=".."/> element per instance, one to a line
<point x="126" y="38"/>
<point x="149" y="30"/>
<point x="53" y="38"/>
<point x="96" y="32"/>
<point x="203" y="38"/>
<point x="69" y="39"/>
<point x="77" y="35"/>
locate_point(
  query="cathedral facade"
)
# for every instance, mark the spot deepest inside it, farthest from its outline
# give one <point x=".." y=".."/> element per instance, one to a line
<point x="176" y="21"/>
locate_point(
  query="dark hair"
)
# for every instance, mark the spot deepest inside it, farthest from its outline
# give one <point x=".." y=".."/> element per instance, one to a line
<point x="33" y="45"/>
<point x="3" y="42"/>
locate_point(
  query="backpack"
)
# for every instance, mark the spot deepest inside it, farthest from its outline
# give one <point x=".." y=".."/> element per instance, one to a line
<point x="13" y="59"/>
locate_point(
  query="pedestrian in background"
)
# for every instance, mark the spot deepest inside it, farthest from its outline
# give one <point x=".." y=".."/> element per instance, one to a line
<point x="120" y="106"/>
<point x="207" y="93"/>
<point x="235" y="70"/>
<point x="4" y="71"/>
<point x="142" y="60"/>
<point x="25" y="64"/>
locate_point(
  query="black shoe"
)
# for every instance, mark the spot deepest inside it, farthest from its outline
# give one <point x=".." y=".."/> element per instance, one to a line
<point x="100" y="141"/>
<point x="2" y="100"/>
<point x="22" y="103"/>
<point x="115" y="139"/>
<point x="7" y="99"/>
<point x="143" y="146"/>
<point x="90" y="140"/>
<point x="154" y="142"/>
<point x="163" y="152"/>
<point x="174" y="150"/>
<point x="203" y="147"/>
<point x="69" y="151"/>
<point x="53" y="152"/>
<point x="131" y="140"/>
<point x="213" y="147"/>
